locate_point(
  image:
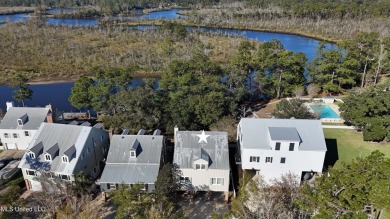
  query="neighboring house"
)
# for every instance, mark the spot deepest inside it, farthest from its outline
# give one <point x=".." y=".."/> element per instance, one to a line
<point x="277" y="147"/>
<point x="20" y="124"/>
<point x="63" y="151"/>
<point x="134" y="159"/>
<point x="203" y="159"/>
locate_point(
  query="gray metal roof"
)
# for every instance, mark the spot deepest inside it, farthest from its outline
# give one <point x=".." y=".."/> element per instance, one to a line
<point x="32" y="116"/>
<point x="144" y="168"/>
<point x="255" y="133"/>
<point x="284" y="134"/>
<point x="130" y="173"/>
<point x="188" y="149"/>
<point x="69" y="138"/>
<point x="150" y="147"/>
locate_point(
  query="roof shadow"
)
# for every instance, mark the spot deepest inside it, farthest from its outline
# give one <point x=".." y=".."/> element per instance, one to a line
<point x="331" y="155"/>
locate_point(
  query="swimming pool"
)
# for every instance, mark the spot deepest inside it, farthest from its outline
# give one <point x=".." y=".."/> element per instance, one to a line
<point x="325" y="111"/>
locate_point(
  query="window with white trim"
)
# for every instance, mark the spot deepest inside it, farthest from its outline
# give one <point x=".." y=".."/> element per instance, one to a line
<point x="283" y="160"/>
<point x="254" y="159"/>
<point x="6" y="135"/>
<point x="200" y="166"/>
<point x="111" y="186"/>
<point x="277" y="146"/>
<point x="65" y="159"/>
<point x="31" y="155"/>
<point x="30" y="172"/>
<point x="20" y="122"/>
<point x="16" y="135"/>
<point x="64" y="177"/>
<point x="291" y="148"/>
<point x="47" y="157"/>
<point x="26" y="133"/>
<point x="132" y="154"/>
<point x="217" y="181"/>
<point x="185" y="179"/>
<point x="268" y="159"/>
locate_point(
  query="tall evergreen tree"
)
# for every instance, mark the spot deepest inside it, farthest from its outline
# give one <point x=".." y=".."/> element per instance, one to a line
<point x="24" y="92"/>
<point x="279" y="70"/>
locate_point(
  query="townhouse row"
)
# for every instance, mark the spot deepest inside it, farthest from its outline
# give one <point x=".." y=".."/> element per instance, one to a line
<point x="272" y="147"/>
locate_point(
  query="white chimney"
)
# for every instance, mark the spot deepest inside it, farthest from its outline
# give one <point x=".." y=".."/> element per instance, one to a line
<point x="176" y="129"/>
<point x="9" y="104"/>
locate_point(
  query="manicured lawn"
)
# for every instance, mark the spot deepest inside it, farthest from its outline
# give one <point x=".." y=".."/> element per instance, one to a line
<point x="386" y="213"/>
<point x="350" y="144"/>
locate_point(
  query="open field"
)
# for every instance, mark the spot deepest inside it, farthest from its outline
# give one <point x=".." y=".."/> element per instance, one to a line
<point x="350" y="144"/>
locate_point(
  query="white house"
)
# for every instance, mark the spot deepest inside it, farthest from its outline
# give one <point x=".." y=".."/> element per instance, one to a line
<point x="133" y="159"/>
<point x="62" y="151"/>
<point x="20" y="124"/>
<point x="203" y="159"/>
<point x="276" y="147"/>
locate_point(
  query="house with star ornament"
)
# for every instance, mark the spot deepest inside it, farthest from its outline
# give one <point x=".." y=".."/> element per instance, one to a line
<point x="203" y="160"/>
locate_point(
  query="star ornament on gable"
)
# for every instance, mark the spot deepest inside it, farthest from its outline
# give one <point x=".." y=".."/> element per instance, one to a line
<point x="203" y="137"/>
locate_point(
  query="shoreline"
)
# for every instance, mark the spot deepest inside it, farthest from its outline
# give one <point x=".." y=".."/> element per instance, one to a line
<point x="296" y="33"/>
<point x="42" y="81"/>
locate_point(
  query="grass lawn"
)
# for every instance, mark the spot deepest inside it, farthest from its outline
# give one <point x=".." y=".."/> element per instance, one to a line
<point x="350" y="144"/>
<point x="385" y="213"/>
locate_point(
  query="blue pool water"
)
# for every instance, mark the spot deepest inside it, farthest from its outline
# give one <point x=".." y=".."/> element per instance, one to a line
<point x="325" y="111"/>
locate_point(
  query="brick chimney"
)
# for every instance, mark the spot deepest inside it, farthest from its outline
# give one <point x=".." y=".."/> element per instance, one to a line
<point x="110" y="133"/>
<point x="49" y="116"/>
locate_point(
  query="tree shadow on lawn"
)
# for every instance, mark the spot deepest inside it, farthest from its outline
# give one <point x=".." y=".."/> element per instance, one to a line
<point x="332" y="154"/>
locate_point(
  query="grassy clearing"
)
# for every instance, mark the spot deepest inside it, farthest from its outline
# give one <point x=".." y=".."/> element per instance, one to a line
<point x="350" y="144"/>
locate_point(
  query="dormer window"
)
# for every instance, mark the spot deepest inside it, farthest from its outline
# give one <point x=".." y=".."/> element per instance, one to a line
<point x="22" y="120"/>
<point x="31" y="155"/>
<point x="69" y="154"/>
<point x="47" y="157"/>
<point x="65" y="159"/>
<point x="36" y="150"/>
<point x="200" y="166"/>
<point x="135" y="149"/>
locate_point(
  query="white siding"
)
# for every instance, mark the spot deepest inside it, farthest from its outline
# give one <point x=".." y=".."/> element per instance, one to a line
<point x="21" y="141"/>
<point x="295" y="163"/>
<point x="201" y="179"/>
